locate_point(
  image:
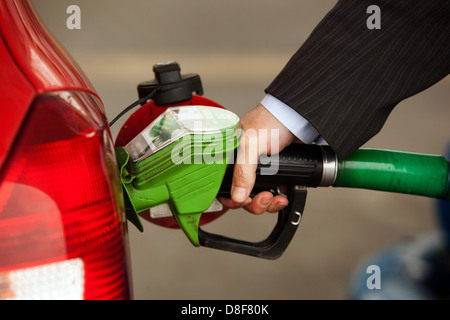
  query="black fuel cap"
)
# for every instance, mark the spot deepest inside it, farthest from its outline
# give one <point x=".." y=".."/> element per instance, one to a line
<point x="172" y="87"/>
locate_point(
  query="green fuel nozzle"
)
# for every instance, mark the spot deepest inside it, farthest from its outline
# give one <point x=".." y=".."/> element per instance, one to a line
<point x="179" y="159"/>
<point x="184" y="158"/>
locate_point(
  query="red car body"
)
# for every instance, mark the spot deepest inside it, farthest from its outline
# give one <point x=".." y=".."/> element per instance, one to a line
<point x="62" y="225"/>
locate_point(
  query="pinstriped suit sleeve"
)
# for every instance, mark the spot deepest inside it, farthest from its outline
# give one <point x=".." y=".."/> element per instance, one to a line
<point x="346" y="79"/>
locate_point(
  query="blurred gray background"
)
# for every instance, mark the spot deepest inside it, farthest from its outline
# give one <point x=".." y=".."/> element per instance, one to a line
<point x="238" y="47"/>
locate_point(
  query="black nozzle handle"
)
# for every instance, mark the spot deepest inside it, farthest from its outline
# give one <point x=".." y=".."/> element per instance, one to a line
<point x="275" y="244"/>
<point x="297" y="167"/>
<point x="298" y="164"/>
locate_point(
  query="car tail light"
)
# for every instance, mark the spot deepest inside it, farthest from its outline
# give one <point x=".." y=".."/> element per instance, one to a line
<point x="62" y="227"/>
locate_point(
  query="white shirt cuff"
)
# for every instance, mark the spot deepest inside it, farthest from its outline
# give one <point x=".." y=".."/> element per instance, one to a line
<point x="298" y="125"/>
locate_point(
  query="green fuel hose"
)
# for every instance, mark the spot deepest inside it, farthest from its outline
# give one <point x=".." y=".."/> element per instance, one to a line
<point x="373" y="169"/>
<point x="394" y="171"/>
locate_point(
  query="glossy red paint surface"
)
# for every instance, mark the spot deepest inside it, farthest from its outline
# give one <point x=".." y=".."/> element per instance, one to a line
<point x="16" y="94"/>
<point x="32" y="62"/>
<point x="43" y="61"/>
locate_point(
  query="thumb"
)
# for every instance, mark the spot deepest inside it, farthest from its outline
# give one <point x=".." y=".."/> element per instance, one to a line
<point x="244" y="174"/>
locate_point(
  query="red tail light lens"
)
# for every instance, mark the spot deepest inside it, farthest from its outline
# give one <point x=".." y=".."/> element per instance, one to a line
<point x="62" y="228"/>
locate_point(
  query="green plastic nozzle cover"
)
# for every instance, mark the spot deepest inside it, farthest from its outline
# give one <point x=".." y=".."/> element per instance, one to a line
<point x="178" y="162"/>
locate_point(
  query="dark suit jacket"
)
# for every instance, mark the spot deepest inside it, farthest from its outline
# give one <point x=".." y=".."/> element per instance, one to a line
<point x="346" y="78"/>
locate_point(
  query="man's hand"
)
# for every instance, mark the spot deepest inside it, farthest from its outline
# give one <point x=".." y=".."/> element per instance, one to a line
<point x="251" y="147"/>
